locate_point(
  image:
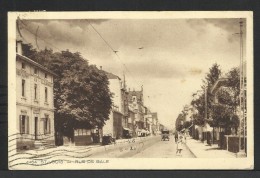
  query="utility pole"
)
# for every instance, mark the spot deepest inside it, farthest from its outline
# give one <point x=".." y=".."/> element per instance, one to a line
<point x="206" y="114"/>
<point x="243" y="85"/>
<point x="206" y="104"/>
<point x="241" y="152"/>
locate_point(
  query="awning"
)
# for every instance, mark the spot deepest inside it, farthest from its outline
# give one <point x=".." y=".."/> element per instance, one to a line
<point x="144" y="131"/>
<point x="127" y="129"/>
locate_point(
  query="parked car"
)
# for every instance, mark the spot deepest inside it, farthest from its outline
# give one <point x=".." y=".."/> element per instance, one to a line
<point x="108" y="139"/>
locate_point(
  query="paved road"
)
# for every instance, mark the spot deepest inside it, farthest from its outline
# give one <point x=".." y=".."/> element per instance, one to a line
<point x="163" y="149"/>
<point x="150" y="147"/>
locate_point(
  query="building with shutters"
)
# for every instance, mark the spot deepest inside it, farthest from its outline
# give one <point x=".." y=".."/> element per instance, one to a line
<point x="34" y="102"/>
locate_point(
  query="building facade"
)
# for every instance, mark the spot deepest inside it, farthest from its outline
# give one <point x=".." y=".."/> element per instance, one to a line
<point x="155" y="123"/>
<point x="124" y="104"/>
<point x="131" y="121"/>
<point x="34" y="102"/>
<point x="135" y="100"/>
<point x="148" y="121"/>
<point x="114" y="126"/>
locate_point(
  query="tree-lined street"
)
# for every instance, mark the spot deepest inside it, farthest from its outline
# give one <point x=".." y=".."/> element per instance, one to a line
<point x="167" y="83"/>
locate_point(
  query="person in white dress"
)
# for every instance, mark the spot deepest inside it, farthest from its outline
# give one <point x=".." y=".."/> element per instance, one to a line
<point x="180" y="143"/>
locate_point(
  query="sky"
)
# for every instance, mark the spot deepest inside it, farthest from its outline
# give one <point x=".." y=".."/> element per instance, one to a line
<point x="174" y="54"/>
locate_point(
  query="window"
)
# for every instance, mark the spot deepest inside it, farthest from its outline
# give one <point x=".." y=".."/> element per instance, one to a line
<point x="24" y="124"/>
<point x="23" y="65"/>
<point x="35" y="91"/>
<point x="35" y="71"/>
<point x="46" y="125"/>
<point x="46" y="75"/>
<point x="46" y="94"/>
<point x="23" y="87"/>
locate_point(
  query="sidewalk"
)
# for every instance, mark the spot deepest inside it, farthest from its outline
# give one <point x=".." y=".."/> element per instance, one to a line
<point x="201" y="150"/>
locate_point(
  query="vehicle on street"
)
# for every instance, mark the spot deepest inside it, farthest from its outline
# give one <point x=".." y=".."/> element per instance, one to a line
<point x="108" y="139"/>
<point x="165" y="135"/>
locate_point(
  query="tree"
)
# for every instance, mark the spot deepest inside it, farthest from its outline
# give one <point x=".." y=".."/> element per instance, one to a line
<point x="28" y="50"/>
<point x="225" y="117"/>
<point x="211" y="78"/>
<point x="225" y="112"/>
<point x="81" y="95"/>
<point x="179" y="122"/>
<point x="222" y="114"/>
<point x="187" y="124"/>
<point x="213" y="75"/>
<point x="233" y="84"/>
<point x="199" y="105"/>
<point x="200" y="102"/>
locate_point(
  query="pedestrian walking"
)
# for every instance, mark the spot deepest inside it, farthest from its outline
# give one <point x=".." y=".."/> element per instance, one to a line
<point x="176" y="137"/>
<point x="180" y="143"/>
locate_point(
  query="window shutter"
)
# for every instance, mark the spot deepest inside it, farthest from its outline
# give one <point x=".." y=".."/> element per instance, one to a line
<point x="20" y="123"/>
<point x="27" y="125"/>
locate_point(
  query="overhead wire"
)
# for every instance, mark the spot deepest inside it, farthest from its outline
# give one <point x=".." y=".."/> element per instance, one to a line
<point x="25" y="27"/>
<point x="36" y="35"/>
<point x="101" y="36"/>
<point x="113" y="50"/>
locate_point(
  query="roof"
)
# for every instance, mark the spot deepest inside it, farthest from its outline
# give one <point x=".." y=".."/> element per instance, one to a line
<point x="111" y="76"/>
<point x="127" y="129"/>
<point x="220" y="82"/>
<point x="34" y="63"/>
<point x="18" y="35"/>
<point x="154" y="115"/>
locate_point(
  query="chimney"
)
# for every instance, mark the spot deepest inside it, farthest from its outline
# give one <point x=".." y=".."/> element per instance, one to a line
<point x="19" y="49"/>
<point x="100" y="67"/>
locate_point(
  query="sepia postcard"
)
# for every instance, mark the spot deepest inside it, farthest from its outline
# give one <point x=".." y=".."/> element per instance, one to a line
<point x="130" y="90"/>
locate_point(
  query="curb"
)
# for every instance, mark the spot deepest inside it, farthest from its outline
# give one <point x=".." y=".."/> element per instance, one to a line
<point x="191" y="151"/>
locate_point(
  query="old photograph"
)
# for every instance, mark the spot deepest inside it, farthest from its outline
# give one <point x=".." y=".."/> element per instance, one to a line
<point x="130" y="90"/>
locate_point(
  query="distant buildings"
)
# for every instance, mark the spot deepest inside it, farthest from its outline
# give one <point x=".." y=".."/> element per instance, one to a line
<point x="155" y="124"/>
<point x="129" y="117"/>
<point x="34" y="102"/>
<point x="148" y="121"/>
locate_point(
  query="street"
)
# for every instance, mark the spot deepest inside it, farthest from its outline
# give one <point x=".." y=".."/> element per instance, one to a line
<point x="152" y="148"/>
<point x="164" y="149"/>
